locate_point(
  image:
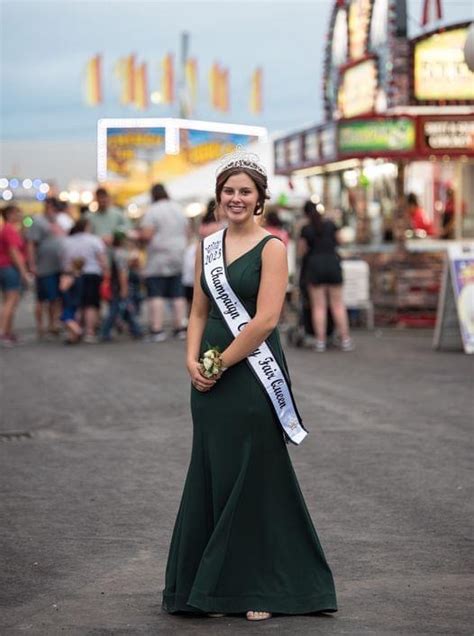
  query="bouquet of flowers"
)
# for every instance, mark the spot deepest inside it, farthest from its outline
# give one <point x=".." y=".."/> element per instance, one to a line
<point x="211" y="363"/>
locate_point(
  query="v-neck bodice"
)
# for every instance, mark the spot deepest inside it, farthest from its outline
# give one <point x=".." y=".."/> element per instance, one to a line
<point x="264" y="239"/>
<point x="243" y="274"/>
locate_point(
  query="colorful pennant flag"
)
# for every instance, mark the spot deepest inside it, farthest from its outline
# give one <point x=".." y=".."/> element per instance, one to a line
<point x="167" y="79"/>
<point x="191" y="77"/>
<point x="213" y="81"/>
<point x="94" y="81"/>
<point x="224" y="100"/>
<point x="141" y="87"/>
<point x="219" y="88"/>
<point x="125" y="71"/>
<point x="256" y="91"/>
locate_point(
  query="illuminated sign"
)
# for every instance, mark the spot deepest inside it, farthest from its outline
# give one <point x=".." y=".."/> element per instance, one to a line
<point x="147" y="149"/>
<point x="359" y="15"/>
<point x="358" y="89"/>
<point x="444" y="135"/>
<point x="373" y="135"/>
<point x="441" y="74"/>
<point x="339" y="40"/>
<point x="379" y="23"/>
<point x="128" y="147"/>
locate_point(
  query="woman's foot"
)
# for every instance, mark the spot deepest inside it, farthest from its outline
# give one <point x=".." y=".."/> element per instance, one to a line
<point x="347" y="345"/>
<point x="320" y="346"/>
<point x="258" y="616"/>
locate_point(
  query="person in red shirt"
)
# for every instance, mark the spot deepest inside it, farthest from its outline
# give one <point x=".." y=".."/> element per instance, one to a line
<point x="12" y="271"/>
<point x="418" y="217"/>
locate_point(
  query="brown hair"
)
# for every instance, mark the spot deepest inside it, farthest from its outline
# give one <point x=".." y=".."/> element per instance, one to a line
<point x="260" y="181"/>
<point x="8" y="211"/>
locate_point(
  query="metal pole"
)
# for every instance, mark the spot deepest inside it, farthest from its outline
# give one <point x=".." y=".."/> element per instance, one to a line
<point x="400" y="222"/>
<point x="184" y="109"/>
<point x="458" y="201"/>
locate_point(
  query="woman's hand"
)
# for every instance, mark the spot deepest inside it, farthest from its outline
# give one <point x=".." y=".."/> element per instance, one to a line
<point x="198" y="381"/>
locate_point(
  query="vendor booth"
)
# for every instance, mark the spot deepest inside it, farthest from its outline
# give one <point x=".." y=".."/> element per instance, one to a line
<point x="399" y="120"/>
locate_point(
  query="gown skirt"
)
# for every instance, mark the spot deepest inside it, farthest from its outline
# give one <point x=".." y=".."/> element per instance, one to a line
<point x="243" y="538"/>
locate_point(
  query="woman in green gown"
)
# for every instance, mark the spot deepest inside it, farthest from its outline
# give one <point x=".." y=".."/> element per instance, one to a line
<point x="243" y="541"/>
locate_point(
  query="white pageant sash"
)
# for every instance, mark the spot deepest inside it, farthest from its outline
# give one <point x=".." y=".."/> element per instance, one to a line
<point x="262" y="361"/>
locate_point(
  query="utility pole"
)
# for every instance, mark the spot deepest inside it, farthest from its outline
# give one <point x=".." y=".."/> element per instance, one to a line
<point x="183" y="97"/>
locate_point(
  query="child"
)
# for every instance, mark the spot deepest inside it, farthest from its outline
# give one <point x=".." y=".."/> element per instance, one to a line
<point x="120" y="304"/>
<point x="135" y="293"/>
<point x="70" y="286"/>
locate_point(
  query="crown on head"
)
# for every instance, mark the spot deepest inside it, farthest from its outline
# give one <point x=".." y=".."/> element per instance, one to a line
<point x="241" y="159"/>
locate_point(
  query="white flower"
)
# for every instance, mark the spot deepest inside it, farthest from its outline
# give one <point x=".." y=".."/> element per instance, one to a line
<point x="207" y="363"/>
<point x="211" y="354"/>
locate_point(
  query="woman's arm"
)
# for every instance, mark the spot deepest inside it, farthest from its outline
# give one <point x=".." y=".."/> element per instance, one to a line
<point x="101" y="255"/>
<point x="271" y="296"/>
<point x="31" y="253"/>
<point x="123" y="283"/>
<point x="196" y="325"/>
<point x="19" y="262"/>
<point x="302" y="247"/>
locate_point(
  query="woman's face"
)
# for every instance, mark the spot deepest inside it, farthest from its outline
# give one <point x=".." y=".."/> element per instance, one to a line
<point x="239" y="198"/>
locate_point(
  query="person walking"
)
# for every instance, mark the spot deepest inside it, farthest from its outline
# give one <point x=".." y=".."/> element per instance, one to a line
<point x="317" y="247"/>
<point x="13" y="272"/>
<point x="81" y="244"/>
<point x="45" y="239"/>
<point x="108" y="219"/>
<point x="243" y="540"/>
<point x="164" y="228"/>
<point x="120" y="304"/>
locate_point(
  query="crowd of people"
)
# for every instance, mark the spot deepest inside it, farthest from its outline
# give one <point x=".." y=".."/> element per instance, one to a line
<point x="91" y="274"/>
<point x="87" y="272"/>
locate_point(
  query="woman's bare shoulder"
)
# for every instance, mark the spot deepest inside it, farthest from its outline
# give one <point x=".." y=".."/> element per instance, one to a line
<point x="273" y="248"/>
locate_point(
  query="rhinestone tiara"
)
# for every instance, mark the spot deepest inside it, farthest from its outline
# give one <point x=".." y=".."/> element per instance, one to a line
<point x="240" y="159"/>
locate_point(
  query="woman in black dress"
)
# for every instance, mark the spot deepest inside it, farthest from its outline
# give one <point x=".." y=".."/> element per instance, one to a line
<point x="323" y="277"/>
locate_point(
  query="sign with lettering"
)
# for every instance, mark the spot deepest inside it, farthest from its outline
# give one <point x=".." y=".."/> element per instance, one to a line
<point x="358" y="89"/>
<point x="440" y="71"/>
<point x="143" y="150"/>
<point x="455" y="316"/>
<point x="448" y="134"/>
<point x="377" y="135"/>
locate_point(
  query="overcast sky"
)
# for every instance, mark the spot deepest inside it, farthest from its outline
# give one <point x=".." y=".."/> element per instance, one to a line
<point x="45" y="47"/>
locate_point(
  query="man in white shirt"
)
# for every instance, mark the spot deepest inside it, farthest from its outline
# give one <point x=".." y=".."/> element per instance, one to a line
<point x="164" y="228"/>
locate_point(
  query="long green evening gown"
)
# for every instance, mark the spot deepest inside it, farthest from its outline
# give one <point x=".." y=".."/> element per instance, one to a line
<point x="243" y="539"/>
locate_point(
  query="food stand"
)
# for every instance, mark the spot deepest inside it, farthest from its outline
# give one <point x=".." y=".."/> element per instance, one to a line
<point x="399" y="119"/>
